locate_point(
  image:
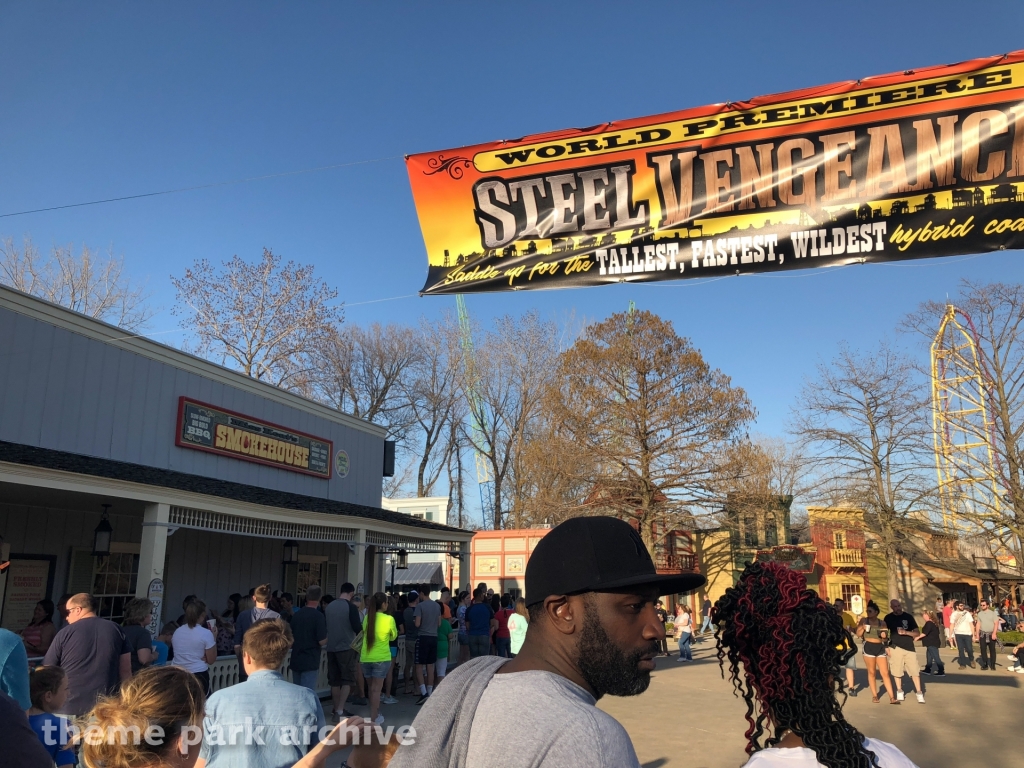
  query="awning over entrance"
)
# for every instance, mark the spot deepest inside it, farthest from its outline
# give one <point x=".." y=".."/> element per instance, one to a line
<point x="420" y="575"/>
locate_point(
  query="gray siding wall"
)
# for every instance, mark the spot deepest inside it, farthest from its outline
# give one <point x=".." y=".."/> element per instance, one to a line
<point x="211" y="565"/>
<point x="40" y="530"/>
<point x="214" y="565"/>
<point x="68" y="392"/>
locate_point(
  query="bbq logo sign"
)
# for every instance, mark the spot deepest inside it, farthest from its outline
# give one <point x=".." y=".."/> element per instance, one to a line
<point x="918" y="164"/>
<point x="207" y="428"/>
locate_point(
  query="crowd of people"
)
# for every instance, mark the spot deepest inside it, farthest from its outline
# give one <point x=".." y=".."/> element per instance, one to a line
<point x="86" y="659"/>
<point x="592" y="627"/>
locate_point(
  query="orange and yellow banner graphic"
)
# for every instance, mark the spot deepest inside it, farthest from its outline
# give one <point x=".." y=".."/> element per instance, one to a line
<point x="911" y="165"/>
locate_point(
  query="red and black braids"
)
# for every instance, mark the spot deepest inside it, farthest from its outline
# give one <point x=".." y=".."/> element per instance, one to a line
<point x="781" y="642"/>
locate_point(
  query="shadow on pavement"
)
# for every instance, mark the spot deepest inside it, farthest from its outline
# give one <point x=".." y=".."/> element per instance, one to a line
<point x="1002" y="679"/>
<point x="655" y="763"/>
<point x="702" y="656"/>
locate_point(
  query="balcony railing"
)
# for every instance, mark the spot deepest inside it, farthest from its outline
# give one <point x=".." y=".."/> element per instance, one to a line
<point x="674" y="562"/>
<point x="847" y="558"/>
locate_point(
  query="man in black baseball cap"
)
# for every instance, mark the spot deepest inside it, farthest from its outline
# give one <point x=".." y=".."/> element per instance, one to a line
<point x="591" y="589"/>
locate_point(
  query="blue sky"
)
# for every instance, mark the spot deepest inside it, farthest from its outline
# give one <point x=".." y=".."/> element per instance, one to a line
<point x="110" y="99"/>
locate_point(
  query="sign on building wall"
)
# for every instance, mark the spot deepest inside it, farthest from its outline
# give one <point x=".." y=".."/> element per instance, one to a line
<point x="922" y="163"/>
<point x="342" y="463"/>
<point x="155" y="594"/>
<point x="215" y="430"/>
<point x="796" y="558"/>
<point x="487" y="566"/>
<point x="28" y="582"/>
<point x="856" y="605"/>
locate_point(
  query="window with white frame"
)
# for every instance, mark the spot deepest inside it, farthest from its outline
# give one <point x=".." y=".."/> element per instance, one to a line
<point x="429" y="514"/>
<point x="111" y="579"/>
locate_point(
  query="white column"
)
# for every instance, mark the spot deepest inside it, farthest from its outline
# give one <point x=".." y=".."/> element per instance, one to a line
<point x="371" y="571"/>
<point x="357" y="559"/>
<point x="152" y="556"/>
<point x="153" y="551"/>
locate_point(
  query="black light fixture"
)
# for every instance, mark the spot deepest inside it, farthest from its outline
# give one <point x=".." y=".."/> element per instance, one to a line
<point x="291" y="552"/>
<point x="102" y="534"/>
<point x="403" y="560"/>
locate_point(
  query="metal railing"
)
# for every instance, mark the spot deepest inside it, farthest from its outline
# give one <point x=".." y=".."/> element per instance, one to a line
<point x="674" y="562"/>
<point x="847" y="558"/>
<point x="224" y="671"/>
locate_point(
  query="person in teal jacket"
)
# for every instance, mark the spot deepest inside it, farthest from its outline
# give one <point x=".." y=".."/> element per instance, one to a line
<point x="14" y="668"/>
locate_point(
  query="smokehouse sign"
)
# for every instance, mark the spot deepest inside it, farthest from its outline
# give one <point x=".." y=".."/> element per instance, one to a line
<point x="207" y="428"/>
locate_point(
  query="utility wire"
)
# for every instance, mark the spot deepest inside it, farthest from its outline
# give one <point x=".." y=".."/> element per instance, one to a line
<point x="347" y="304"/>
<point x="199" y="186"/>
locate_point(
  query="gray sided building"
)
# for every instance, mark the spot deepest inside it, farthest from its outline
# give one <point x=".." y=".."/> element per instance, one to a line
<point x="214" y="482"/>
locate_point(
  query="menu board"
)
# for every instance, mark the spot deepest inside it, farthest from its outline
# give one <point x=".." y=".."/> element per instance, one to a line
<point x="28" y="582"/>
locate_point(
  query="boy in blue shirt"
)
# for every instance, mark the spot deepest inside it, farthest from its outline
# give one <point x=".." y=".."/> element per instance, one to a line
<point x="48" y="688"/>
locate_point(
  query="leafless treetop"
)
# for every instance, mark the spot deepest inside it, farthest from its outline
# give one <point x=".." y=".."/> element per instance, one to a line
<point x="267" y="318"/>
<point x="89" y="283"/>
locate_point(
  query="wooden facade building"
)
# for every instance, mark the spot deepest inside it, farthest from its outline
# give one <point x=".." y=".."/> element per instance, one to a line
<point x="211" y="482"/>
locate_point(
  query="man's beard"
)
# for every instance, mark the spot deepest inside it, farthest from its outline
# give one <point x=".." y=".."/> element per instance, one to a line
<point x="605" y="667"/>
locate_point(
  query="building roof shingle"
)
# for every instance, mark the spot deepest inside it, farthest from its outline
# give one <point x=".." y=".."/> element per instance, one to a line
<point x="47" y="458"/>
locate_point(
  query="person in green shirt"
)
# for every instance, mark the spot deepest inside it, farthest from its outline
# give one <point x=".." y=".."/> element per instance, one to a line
<point x="378" y="631"/>
<point x="441" y="665"/>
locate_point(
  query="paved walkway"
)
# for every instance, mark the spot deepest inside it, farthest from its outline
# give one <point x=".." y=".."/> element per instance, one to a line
<point x="689" y="718"/>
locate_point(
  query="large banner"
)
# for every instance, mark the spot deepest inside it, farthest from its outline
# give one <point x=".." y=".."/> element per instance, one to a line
<point x="922" y="163"/>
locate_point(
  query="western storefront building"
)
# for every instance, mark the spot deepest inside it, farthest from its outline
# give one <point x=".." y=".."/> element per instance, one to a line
<point x="204" y="481"/>
<point x="500" y="557"/>
<point x="839" y="539"/>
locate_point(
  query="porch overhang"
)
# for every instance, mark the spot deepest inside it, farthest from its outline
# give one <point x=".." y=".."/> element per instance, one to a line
<point x="225" y="507"/>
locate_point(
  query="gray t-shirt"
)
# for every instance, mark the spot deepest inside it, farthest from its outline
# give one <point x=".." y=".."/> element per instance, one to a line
<point x="343" y="623"/>
<point x="428" y="613"/>
<point x="986" y="621"/>
<point x="556" y="724"/>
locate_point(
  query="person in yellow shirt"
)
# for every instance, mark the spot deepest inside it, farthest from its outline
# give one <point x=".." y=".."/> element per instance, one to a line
<point x="849" y="624"/>
<point x="378" y="631"/>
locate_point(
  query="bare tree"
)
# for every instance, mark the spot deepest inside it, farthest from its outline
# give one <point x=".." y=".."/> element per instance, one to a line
<point x="435" y="403"/>
<point x="88" y="283"/>
<point x="863" y="422"/>
<point x="758" y="473"/>
<point x="268" y="318"/>
<point x="552" y="476"/>
<point x="762" y="466"/>
<point x="652" y="414"/>
<point x="366" y="372"/>
<point x="997" y="312"/>
<point x="392" y="486"/>
<point x="502" y="386"/>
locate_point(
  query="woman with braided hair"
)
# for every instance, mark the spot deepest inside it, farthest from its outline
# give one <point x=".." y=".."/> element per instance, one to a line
<point x="786" y="649"/>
